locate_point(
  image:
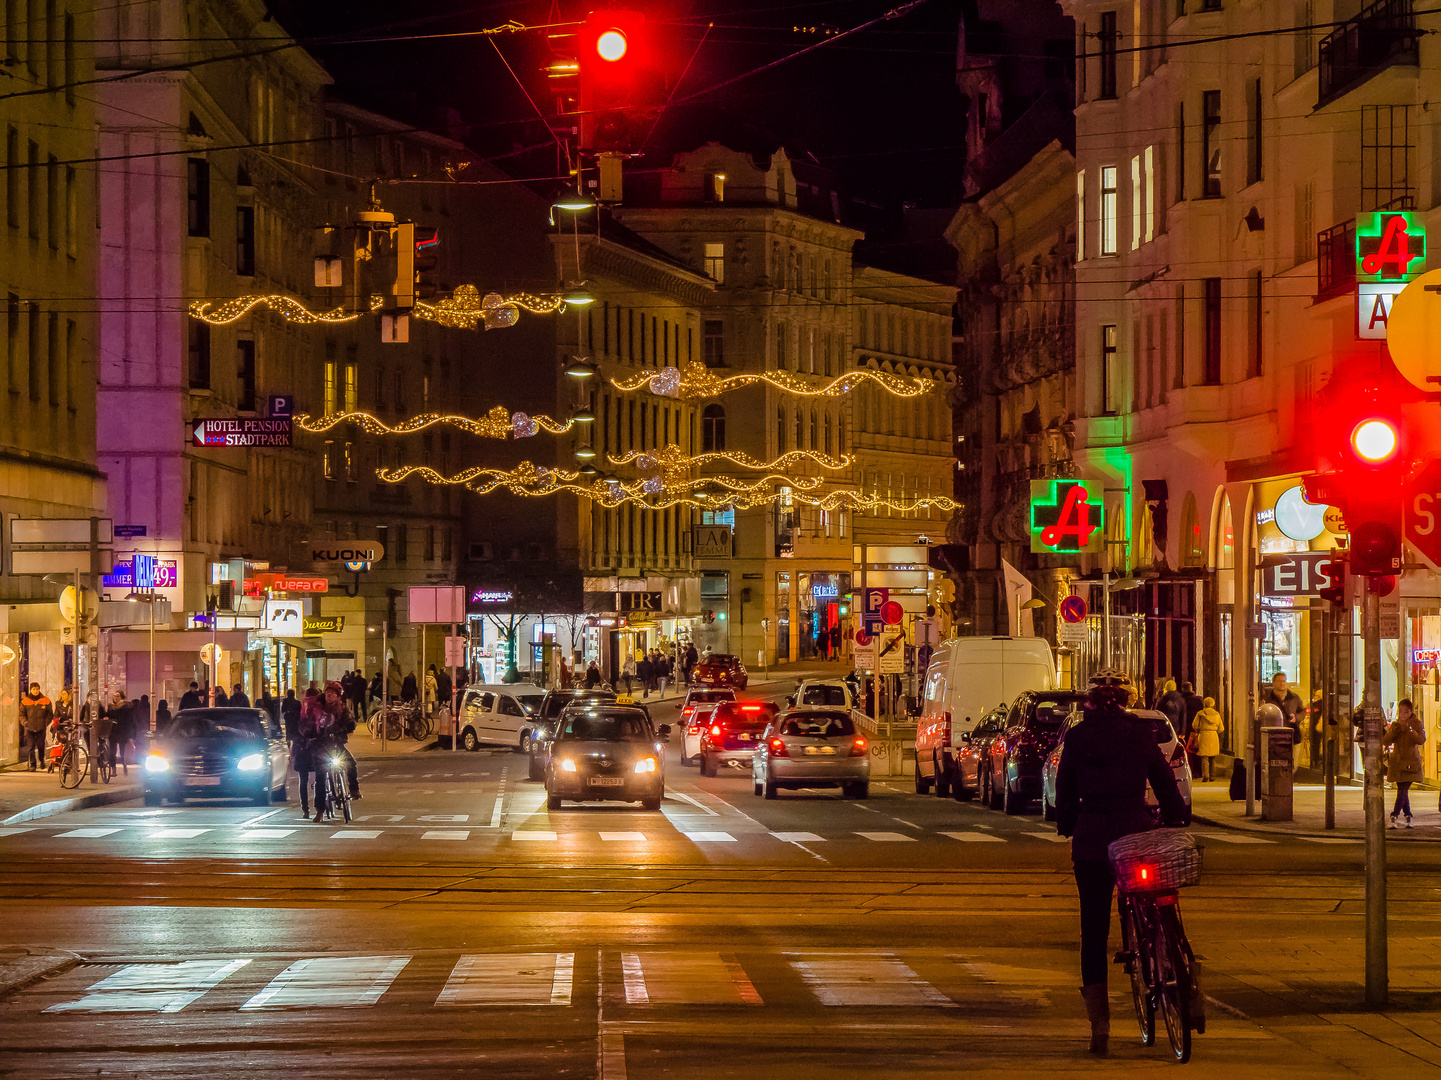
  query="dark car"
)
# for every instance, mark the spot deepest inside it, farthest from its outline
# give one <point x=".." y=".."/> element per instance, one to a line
<point x="1012" y="769"/>
<point x="548" y="714"/>
<point x="975" y="747"/>
<point x="732" y="732"/>
<point x="217" y="754"/>
<point x="606" y="752"/>
<point x="721" y="669"/>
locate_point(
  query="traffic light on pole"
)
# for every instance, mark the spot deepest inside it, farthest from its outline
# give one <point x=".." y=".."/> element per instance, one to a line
<point x="617" y="82"/>
<point x="1366" y="484"/>
<point x="427" y="255"/>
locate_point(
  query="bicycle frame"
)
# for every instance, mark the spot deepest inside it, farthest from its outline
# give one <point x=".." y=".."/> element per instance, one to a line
<point x="1158" y="958"/>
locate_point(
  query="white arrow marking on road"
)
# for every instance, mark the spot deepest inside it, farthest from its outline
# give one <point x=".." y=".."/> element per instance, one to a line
<point x="165" y="988"/>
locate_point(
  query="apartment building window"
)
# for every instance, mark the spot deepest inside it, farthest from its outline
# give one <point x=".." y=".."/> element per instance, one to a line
<point x="826" y="283"/>
<point x="245" y="241"/>
<point x="713" y="428"/>
<point x="1211" y="332"/>
<point x="34" y="189"/>
<point x="713" y="187"/>
<point x="1110" y="375"/>
<point x="1150" y="167"/>
<point x="780" y="430"/>
<point x="1304" y="241"/>
<point x="1137" y="202"/>
<point x="12" y="342"/>
<point x="1210" y="5"/>
<point x="715" y="262"/>
<point x="53" y="227"/>
<point x="197" y="179"/>
<point x="68" y="357"/>
<point x="1253" y="133"/>
<point x="1255" y="320"/>
<point x="350" y="470"/>
<point x="1080" y="214"/>
<point x="1180" y="152"/>
<point x="1304" y="38"/>
<point x="1109" y="210"/>
<point x="198" y="360"/>
<point x="1178" y="374"/>
<point x="327" y="460"/>
<point x="782" y="333"/>
<point x="402" y="543"/>
<point x="13" y="177"/>
<point x="1109" y="36"/>
<point x="352" y="387"/>
<point x="52" y="359"/>
<point x="1083" y="59"/>
<point x="72" y="213"/>
<point x="1211" y="144"/>
<point x="332" y="388"/>
<point x="1386" y="150"/>
<point x="714" y="342"/>
<point x="245" y="374"/>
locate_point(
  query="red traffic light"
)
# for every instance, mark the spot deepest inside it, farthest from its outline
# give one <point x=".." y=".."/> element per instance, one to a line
<point x="611" y="45"/>
<point x="1375" y="440"/>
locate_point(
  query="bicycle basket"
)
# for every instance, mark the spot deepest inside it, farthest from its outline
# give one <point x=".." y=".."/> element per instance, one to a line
<point x="1156" y="861"/>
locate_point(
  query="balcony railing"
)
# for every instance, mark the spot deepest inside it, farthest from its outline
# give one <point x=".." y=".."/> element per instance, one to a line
<point x="1381" y="35"/>
<point x="1336" y="259"/>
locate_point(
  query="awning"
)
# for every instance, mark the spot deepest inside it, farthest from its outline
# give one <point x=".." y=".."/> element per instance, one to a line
<point x="309" y="648"/>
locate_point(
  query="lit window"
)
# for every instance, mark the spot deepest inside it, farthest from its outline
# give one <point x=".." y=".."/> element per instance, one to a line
<point x="714" y="187"/>
<point x="328" y="461"/>
<point x="351" y="387"/>
<point x="1080" y="217"/>
<point x="1108" y="210"/>
<point x="715" y="262"/>
<point x="330" y="387"/>
<point x="1135" y="202"/>
<point x="1150" y="193"/>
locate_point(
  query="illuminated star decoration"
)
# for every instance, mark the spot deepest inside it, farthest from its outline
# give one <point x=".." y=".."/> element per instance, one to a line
<point x="499" y="423"/>
<point x="465" y="309"/>
<point x="699" y="381"/>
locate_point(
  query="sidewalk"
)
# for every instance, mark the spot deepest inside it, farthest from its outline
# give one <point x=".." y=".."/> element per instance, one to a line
<point x="25" y="795"/>
<point x="1212" y="805"/>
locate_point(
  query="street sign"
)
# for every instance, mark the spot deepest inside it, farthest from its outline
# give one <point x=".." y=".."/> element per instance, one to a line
<point x="89" y="604"/>
<point x="1391" y="616"/>
<point x="891" y="650"/>
<point x="892" y="613"/>
<point x="1413" y="325"/>
<point x="59" y="532"/>
<point x="1072" y="633"/>
<point x="130" y="531"/>
<point x="1422" y="508"/>
<point x="240" y="431"/>
<point x="1067" y="517"/>
<point x="863" y="639"/>
<point x="455" y="651"/>
<point x="865" y="656"/>
<point x="437" y="604"/>
<point x="1073" y="609"/>
<point x="1301" y="573"/>
<point x="927" y="632"/>
<point x="358" y="551"/>
<point x="209" y="652"/>
<point x="871" y="617"/>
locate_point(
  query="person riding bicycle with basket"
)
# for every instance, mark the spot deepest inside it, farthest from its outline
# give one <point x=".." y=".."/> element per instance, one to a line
<point x="1106" y="761"/>
<point x="342" y="724"/>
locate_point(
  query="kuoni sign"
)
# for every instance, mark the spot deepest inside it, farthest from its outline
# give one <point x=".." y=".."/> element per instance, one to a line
<point x="1067" y="516"/>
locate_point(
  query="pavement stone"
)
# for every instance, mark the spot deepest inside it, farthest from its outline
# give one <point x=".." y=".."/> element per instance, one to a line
<point x="25" y="795"/>
<point x="1212" y="805"/>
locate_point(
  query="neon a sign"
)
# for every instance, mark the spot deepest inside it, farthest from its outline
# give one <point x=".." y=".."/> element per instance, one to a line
<point x="1067" y="517"/>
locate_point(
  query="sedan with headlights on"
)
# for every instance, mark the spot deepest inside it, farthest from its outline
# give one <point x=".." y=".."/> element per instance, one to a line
<point x="606" y="752"/>
<point x="812" y="748"/>
<point x="217" y="754"/>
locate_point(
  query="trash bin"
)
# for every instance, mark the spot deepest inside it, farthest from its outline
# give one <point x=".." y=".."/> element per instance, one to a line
<point x="1276" y="773"/>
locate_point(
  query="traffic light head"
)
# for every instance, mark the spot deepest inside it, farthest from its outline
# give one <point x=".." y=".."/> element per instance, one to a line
<point x="427" y="255"/>
<point x="1375" y="440"/>
<point x="619" y="87"/>
<point x="612" y="44"/>
<point x="1368" y="480"/>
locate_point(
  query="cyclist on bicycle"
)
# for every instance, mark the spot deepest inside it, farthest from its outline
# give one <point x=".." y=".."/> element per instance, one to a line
<point x="342" y="724"/>
<point x="1105" y="763"/>
<point x="310" y="738"/>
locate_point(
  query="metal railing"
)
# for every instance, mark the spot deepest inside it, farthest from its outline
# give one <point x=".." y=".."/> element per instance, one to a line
<point x="1381" y="35"/>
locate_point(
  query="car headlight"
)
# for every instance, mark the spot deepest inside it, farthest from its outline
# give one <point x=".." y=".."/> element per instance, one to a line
<point x="566" y="765"/>
<point x="156" y="763"/>
<point x="251" y="762"/>
<point x="645" y="765"/>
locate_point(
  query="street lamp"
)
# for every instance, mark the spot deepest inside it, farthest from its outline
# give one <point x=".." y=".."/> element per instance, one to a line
<point x="1030" y="605"/>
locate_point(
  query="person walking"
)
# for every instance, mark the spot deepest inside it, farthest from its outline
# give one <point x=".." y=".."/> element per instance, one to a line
<point x="643" y="671"/>
<point x="692" y="658"/>
<point x="311" y="732"/>
<point x="1403" y="740"/>
<point x="432" y="691"/>
<point x="408" y="691"/>
<point x="377" y="690"/>
<point x="442" y="686"/>
<point x="127" y="722"/>
<point x="592" y="676"/>
<point x="627" y="672"/>
<point x="1174" y="706"/>
<point x="290" y="716"/>
<point x="355" y="694"/>
<point x="1106" y="762"/>
<point x="1206" y="730"/>
<point x="192" y="698"/>
<point x="238" y="698"/>
<point x="163" y="716"/>
<point x="36" y="712"/>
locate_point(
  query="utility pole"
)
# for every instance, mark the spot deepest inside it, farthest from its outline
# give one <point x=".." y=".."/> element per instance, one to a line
<point x="1374" y="803"/>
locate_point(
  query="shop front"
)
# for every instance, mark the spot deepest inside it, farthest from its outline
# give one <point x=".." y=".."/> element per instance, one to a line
<point x="821" y="598"/>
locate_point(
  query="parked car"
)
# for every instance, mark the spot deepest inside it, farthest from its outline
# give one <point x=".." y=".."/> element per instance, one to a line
<point x="694" y="727"/>
<point x="551" y="707"/>
<point x="964" y="680"/>
<point x="502" y="714"/>
<point x="217" y="754"/>
<point x="606" y="751"/>
<point x="1013" y="762"/>
<point x="731" y="734"/>
<point x="721" y="669"/>
<point x="812" y="748"/>
<point x="970" y="752"/>
<point x="831" y="693"/>
<point x="1166" y="739"/>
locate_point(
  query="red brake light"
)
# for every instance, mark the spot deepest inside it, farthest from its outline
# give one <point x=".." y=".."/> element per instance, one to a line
<point x="858" y="747"/>
<point x="715" y="729"/>
<point x="750" y="708"/>
<point x="778" y="748"/>
<point x="694" y="729"/>
<point x="687" y="710"/>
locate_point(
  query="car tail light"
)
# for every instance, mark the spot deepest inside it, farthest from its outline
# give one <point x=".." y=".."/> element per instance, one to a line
<point x="778" y="748"/>
<point x="687" y="710"/>
<point x="750" y="708"/>
<point x="946" y="734"/>
<point x="694" y="729"/>
<point x="858" y="747"/>
<point x="715" y="729"/>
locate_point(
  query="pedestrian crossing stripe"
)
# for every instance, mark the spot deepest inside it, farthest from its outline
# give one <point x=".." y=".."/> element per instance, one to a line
<point x="446" y="834"/>
<point x="330" y="982"/>
<point x="975" y="837"/>
<point x="162" y="988"/>
<point x="510" y="979"/>
<point x="868" y="980"/>
<point x="887" y="837"/>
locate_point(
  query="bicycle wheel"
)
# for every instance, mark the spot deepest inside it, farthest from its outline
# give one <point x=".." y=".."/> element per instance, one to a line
<point x="341" y="792"/>
<point x="1173" y="978"/>
<point x="1135" y="943"/>
<point x="74" y="764"/>
<point x="105" y="769"/>
<point x="415" y="726"/>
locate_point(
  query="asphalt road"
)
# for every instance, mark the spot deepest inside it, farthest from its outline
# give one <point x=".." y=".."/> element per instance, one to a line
<point x="457" y="928"/>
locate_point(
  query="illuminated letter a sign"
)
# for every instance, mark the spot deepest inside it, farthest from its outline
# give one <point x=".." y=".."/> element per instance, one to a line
<point x="1066" y="517"/>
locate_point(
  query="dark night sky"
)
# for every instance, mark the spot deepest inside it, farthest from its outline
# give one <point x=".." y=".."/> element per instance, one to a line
<point x="880" y="106"/>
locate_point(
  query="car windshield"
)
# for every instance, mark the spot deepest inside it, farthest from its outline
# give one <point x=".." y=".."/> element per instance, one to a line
<point x="531" y="702"/>
<point x="824" y="695"/>
<point x="558" y="703"/>
<point x="216" y="723"/>
<point x="723" y="660"/>
<point x="604" y="727"/>
<point x="825" y="725"/>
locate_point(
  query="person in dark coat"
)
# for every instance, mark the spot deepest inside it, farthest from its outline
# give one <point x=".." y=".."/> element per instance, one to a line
<point x="1173" y="704"/>
<point x="377" y="687"/>
<point x="192" y="698"/>
<point x="36" y="712"/>
<point x="442" y="685"/>
<point x="290" y="715"/>
<point x="592" y="676"/>
<point x="1106" y="762"/>
<point x="238" y="698"/>
<point x="163" y="716"/>
<point x="222" y="700"/>
<point x="643" y="671"/>
<point x="408" y="690"/>
<point x="1194" y="704"/>
<point x="1288" y="701"/>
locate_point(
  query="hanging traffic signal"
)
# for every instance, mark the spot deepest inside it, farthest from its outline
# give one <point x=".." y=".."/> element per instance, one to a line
<point x="618" y="86"/>
<point x="1372" y="480"/>
<point x="427" y="255"/>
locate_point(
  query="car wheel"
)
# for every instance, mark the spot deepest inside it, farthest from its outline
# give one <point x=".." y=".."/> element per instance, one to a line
<point x="552" y="802"/>
<point x="707" y="766"/>
<point x="650" y="804"/>
<point x="1011" y="801"/>
<point x="468" y="740"/>
<point x="1048" y="812"/>
<point x="261" y="797"/>
<point x="524" y="746"/>
<point x="770" y="788"/>
<point x="922" y="784"/>
<point x="280" y="794"/>
<point x="760" y="788"/>
<point x="152" y="798"/>
<point x="943" y="783"/>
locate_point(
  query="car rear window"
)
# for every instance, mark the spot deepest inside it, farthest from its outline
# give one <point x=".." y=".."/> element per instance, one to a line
<point x="211" y="725"/>
<point x="1164" y="732"/>
<point x="699" y="696"/>
<point x="604" y="728"/>
<point x="531" y="702"/>
<point x="558" y="703"/>
<point x="748" y="715"/>
<point x="824" y="695"/>
<point x="826" y="725"/>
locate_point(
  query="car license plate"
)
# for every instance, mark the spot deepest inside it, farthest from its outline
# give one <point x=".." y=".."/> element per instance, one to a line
<point x="203" y="781"/>
<point x="746" y="737"/>
<point x="820" y="750"/>
<point x="606" y="781"/>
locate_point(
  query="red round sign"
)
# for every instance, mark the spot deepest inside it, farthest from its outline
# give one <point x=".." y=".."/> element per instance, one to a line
<point x="862" y="638"/>
<point x="892" y="613"/>
<point x="1073" y="609"/>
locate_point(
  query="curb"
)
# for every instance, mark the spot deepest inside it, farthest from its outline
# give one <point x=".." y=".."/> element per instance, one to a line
<point x="1333" y="834"/>
<point x="32" y="968"/>
<point x="79" y="802"/>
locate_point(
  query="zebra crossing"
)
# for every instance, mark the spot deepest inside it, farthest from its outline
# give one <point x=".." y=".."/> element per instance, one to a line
<point x="656" y="977"/>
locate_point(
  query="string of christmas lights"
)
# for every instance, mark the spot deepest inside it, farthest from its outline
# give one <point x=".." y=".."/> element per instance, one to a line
<point x="499" y="423"/>
<point x="698" y="381"/>
<point x="673" y="457"/>
<point x="465" y="309"/>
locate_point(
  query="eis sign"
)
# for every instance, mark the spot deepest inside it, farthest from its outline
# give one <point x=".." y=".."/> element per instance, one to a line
<point x="1390" y="251"/>
<point x="1067" y="517"/>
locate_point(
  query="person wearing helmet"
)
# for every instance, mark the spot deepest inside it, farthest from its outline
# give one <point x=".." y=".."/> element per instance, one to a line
<point x="1106" y="762"/>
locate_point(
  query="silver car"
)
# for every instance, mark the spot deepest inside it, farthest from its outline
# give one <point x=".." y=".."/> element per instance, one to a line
<point x="812" y="748"/>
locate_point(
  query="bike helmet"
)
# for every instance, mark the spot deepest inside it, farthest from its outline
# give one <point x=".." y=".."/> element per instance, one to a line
<point x="1109" y="687"/>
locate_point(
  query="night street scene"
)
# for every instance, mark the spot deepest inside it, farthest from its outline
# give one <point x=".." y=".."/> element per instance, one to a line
<point x="720" y="539"/>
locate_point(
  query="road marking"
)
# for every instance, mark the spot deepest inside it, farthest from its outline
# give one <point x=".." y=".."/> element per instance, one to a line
<point x="1052" y="837"/>
<point x="262" y="817"/>
<point x="532" y="834"/>
<point x="624" y="837"/>
<point x="165" y="988"/>
<point x="496" y="811"/>
<point x="867" y="980"/>
<point x="710" y="837"/>
<point x="510" y="979"/>
<point x="636" y="992"/>
<point x="453" y="819"/>
<point x="1329" y="840"/>
<point x="175" y="834"/>
<point x="265" y="834"/>
<point x="330" y="982"/>
<point x="799" y="837"/>
<point x="975" y="837"/>
<point x="887" y="837"/>
<point x="683" y="797"/>
<point x="356" y="834"/>
<point x="612" y="1057"/>
<point x="14" y="832"/>
<point x="89" y="833"/>
<point x="446" y="834"/>
<point x="1234" y="838"/>
<point x="378" y="817"/>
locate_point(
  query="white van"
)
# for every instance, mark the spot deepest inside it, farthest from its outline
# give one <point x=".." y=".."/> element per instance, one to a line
<point x="967" y="678"/>
<point x="503" y="714"/>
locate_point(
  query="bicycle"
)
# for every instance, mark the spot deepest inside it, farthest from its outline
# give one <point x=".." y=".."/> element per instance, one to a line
<point x="336" y="790"/>
<point x="74" y="758"/>
<point x="1155" y="953"/>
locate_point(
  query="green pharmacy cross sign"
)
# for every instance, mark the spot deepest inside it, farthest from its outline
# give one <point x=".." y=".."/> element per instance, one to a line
<point x="1390" y="246"/>
<point x="1067" y="517"/>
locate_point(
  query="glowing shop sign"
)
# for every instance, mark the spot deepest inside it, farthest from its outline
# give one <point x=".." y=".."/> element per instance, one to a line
<point x="1067" y="517"/>
<point x="1390" y="246"/>
<point x="492" y="596"/>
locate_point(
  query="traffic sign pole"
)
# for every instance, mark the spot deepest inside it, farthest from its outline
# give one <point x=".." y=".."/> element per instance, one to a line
<point x="1374" y="804"/>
